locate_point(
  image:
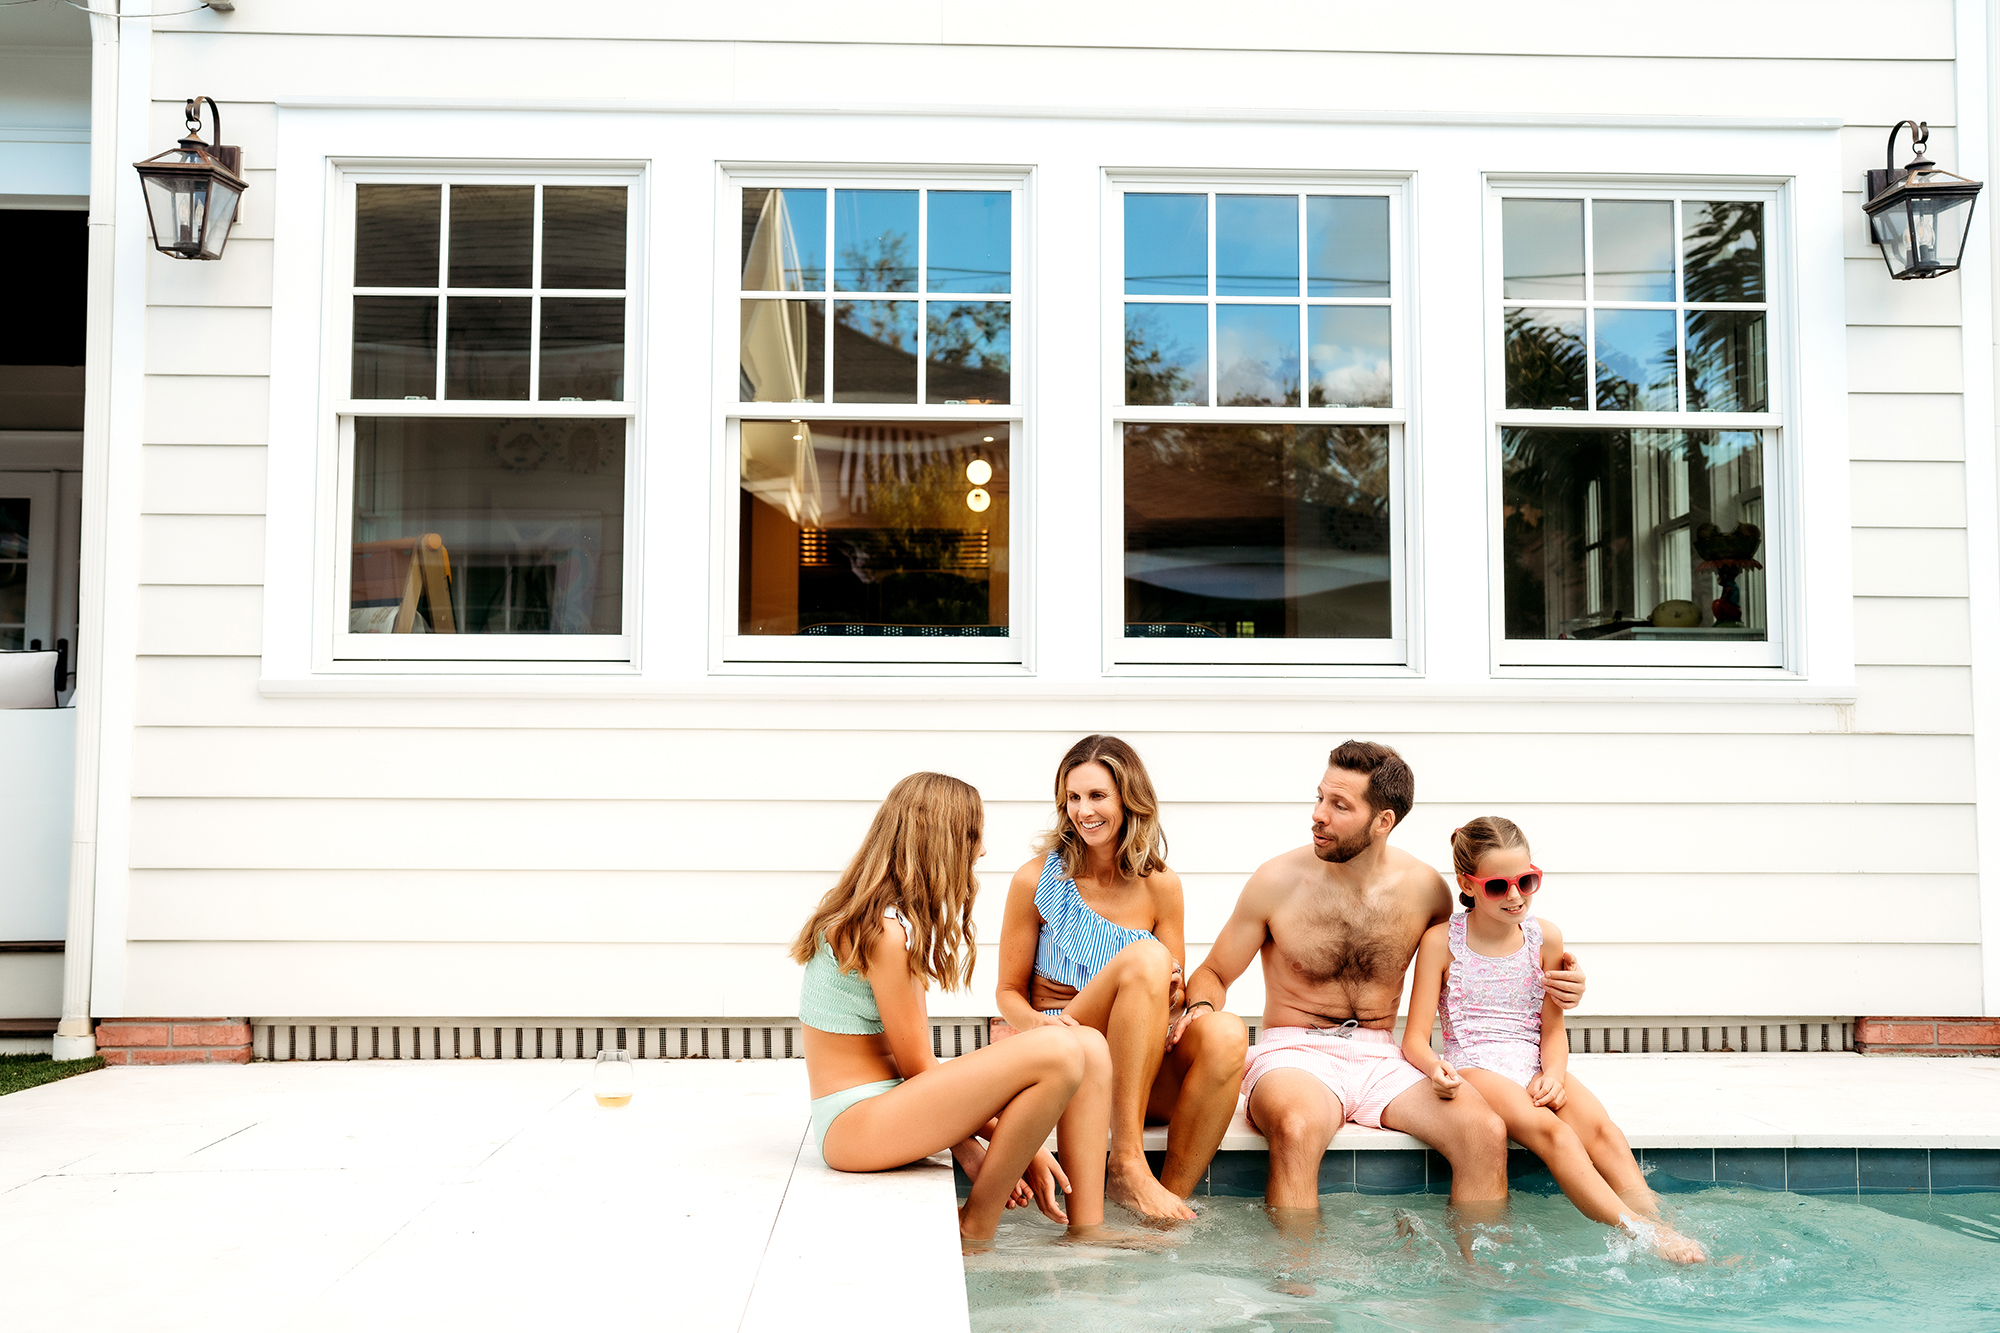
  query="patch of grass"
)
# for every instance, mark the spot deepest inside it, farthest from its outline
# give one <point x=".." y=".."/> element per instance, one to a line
<point x="28" y="1071"/>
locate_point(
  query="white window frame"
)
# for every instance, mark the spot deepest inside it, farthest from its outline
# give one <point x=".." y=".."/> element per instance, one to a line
<point x="343" y="649"/>
<point x="1124" y="655"/>
<point x="1783" y="527"/>
<point x="738" y="651"/>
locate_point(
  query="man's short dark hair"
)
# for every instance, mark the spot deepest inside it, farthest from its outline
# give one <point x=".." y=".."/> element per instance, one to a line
<point x="1391" y="785"/>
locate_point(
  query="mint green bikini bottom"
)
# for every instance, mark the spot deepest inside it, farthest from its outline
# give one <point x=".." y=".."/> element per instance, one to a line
<point x="826" y="1109"/>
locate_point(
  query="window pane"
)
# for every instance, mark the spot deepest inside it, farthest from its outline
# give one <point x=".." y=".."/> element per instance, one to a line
<point x="1257" y="355"/>
<point x="1632" y="249"/>
<point x="875" y="240"/>
<point x="783" y="354"/>
<point x="1347" y="246"/>
<point x="1541" y="241"/>
<point x="784" y="240"/>
<point x="866" y="528"/>
<point x="1546" y="358"/>
<point x="583" y="236"/>
<point x="1166" y="244"/>
<point x="1636" y="362"/>
<point x="1723" y="244"/>
<point x="968" y="351"/>
<point x="1256" y="245"/>
<point x="487" y="525"/>
<point x="492" y="235"/>
<point x="875" y="352"/>
<point x="14" y="511"/>
<point x="1166" y="354"/>
<point x="1727" y="362"/>
<point x="486" y="346"/>
<point x="1643" y="535"/>
<point x="395" y="347"/>
<point x="1257" y="531"/>
<point x="396" y="235"/>
<point x="583" y="348"/>
<point x="971" y="241"/>
<point x="1349" y="356"/>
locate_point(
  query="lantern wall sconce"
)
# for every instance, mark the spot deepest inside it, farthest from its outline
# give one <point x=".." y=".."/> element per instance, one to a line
<point x="1919" y="215"/>
<point x="192" y="190"/>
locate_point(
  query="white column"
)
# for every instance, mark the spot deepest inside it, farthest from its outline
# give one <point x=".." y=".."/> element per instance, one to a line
<point x="75" y="1038"/>
<point x="1975" y="116"/>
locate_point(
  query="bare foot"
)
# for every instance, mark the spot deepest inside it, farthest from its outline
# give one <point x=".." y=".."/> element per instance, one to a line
<point x="1114" y="1238"/>
<point x="1130" y="1184"/>
<point x="1678" y="1249"/>
<point x="968" y="1243"/>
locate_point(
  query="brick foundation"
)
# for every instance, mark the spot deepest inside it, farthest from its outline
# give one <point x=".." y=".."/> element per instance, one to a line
<point x="174" y="1041"/>
<point x="1927" y="1036"/>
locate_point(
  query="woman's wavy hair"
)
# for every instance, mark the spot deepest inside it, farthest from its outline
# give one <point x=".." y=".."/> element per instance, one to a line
<point x="918" y="858"/>
<point x="1475" y="838"/>
<point x="1142" y="844"/>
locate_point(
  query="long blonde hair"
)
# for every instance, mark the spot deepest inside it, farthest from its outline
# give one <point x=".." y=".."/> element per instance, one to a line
<point x="1142" y="843"/>
<point x="918" y="858"/>
<point x="1475" y="838"/>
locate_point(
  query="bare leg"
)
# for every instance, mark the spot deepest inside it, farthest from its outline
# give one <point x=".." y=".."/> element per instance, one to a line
<point x="1544" y="1133"/>
<point x="1029" y="1081"/>
<point x="1472" y="1139"/>
<point x="1609" y="1152"/>
<point x="1080" y="1140"/>
<point x="1127" y="1002"/>
<point x="1298" y="1115"/>
<point x="1195" y="1093"/>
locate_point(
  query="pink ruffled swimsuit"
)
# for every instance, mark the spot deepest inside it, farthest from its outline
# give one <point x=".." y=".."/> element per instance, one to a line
<point x="1492" y="1007"/>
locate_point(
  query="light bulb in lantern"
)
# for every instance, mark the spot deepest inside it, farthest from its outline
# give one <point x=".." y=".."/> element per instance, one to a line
<point x="613" y="1081"/>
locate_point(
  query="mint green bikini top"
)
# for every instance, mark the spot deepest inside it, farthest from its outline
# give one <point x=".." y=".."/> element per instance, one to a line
<point x="836" y="1001"/>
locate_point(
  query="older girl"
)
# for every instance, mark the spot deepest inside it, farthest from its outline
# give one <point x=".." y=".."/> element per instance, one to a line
<point x="900" y="919"/>
<point x="1505" y="1037"/>
<point x="1093" y="939"/>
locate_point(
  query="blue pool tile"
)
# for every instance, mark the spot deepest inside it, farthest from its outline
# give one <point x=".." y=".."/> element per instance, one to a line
<point x="1336" y="1171"/>
<point x="1395" y="1171"/>
<point x="1821" y="1170"/>
<point x="1965" y="1170"/>
<point x="1437" y="1172"/>
<point x="1762" y="1168"/>
<point x="1895" y="1170"/>
<point x="1678" y="1168"/>
<point x="1239" y="1175"/>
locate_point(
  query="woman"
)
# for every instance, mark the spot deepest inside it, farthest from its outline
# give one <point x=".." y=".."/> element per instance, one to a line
<point x="1094" y="939"/>
<point x="899" y="919"/>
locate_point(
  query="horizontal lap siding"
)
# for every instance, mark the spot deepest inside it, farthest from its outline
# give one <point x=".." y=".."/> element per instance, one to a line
<point x="651" y="856"/>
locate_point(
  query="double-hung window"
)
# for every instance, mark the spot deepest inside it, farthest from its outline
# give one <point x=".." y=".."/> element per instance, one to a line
<point x="1256" y="418"/>
<point x="483" y="371"/>
<point x="1638" y="422"/>
<point x="872" y="420"/>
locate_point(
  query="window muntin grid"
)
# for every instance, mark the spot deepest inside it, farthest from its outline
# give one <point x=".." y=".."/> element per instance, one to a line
<point x="1616" y="303"/>
<point x="911" y="288"/>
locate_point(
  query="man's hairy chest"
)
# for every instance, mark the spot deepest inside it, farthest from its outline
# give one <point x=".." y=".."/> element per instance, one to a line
<point x="1350" y="944"/>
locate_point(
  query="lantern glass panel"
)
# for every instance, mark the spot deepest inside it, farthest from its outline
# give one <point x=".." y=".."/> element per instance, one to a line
<point x="1892" y="230"/>
<point x="222" y="200"/>
<point x="1937" y="230"/>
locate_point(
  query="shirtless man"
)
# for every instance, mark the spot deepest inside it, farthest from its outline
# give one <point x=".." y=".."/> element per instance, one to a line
<point x="1338" y="923"/>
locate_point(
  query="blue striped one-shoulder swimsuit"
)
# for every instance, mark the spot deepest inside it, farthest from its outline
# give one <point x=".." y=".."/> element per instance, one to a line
<point x="1076" y="942"/>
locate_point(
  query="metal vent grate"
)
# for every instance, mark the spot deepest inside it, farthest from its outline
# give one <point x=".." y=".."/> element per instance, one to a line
<point x="569" y="1039"/>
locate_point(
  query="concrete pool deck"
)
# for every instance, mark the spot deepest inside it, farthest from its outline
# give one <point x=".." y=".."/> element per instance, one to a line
<point x="497" y="1195"/>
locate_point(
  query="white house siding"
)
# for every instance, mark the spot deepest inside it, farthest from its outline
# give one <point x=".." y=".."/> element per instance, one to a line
<point x="1719" y="848"/>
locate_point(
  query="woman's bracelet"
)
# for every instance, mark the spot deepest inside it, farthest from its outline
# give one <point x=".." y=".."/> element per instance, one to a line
<point x="1209" y="1003"/>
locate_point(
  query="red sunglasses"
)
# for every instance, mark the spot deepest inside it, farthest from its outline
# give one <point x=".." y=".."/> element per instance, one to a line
<point x="1497" y="886"/>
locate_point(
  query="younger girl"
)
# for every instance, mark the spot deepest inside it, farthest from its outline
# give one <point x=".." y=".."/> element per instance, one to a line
<point x="899" y="919"/>
<point x="1505" y="1038"/>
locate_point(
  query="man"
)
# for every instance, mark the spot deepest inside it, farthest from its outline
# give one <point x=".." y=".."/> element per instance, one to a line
<point x="1338" y="923"/>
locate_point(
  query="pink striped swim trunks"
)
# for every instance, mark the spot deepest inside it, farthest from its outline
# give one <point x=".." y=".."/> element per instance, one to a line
<point x="1365" y="1068"/>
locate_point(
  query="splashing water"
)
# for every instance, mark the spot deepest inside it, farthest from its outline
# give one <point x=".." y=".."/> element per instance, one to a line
<point x="1778" y="1262"/>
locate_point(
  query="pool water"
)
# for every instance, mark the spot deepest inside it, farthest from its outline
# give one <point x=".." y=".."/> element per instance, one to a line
<point x="1781" y="1261"/>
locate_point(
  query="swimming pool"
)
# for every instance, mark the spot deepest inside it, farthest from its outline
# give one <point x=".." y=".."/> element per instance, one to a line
<point x="1782" y="1261"/>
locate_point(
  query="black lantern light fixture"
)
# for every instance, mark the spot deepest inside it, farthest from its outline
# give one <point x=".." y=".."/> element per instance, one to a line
<point x="1918" y="215"/>
<point x="192" y="190"/>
